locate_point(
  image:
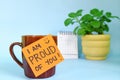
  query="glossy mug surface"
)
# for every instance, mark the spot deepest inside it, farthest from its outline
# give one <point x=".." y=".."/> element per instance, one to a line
<point x="26" y="40"/>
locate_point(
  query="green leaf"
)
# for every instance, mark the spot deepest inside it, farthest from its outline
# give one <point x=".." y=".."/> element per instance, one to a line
<point x="108" y="20"/>
<point x="100" y="31"/>
<point x="108" y="14"/>
<point x="72" y="15"/>
<point x="81" y="31"/>
<point x="87" y="17"/>
<point x="79" y="12"/>
<point x="95" y="12"/>
<point x="89" y="29"/>
<point x="75" y="30"/>
<point x="115" y="17"/>
<point x="95" y="24"/>
<point x="68" y="21"/>
<point x="83" y="24"/>
<point x="105" y="27"/>
<point x="104" y="18"/>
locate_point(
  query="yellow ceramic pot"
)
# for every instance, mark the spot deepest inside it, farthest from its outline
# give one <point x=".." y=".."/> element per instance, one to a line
<point x="96" y="47"/>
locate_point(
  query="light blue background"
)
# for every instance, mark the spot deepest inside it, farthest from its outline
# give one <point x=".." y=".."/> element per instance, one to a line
<point x="42" y="17"/>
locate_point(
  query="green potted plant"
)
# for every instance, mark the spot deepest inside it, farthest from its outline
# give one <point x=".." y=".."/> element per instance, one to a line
<point x="92" y="27"/>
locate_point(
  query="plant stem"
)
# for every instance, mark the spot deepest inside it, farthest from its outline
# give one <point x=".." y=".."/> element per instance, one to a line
<point x="77" y="20"/>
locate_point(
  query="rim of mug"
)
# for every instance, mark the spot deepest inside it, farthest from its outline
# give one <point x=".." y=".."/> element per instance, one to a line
<point x="38" y="35"/>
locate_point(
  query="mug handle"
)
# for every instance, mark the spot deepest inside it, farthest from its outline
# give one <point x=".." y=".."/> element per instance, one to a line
<point x="13" y="55"/>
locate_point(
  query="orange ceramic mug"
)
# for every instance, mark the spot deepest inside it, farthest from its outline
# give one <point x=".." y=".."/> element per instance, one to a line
<point x="26" y="40"/>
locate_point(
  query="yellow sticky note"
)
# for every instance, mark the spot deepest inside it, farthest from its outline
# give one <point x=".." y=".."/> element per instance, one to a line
<point x="42" y="55"/>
